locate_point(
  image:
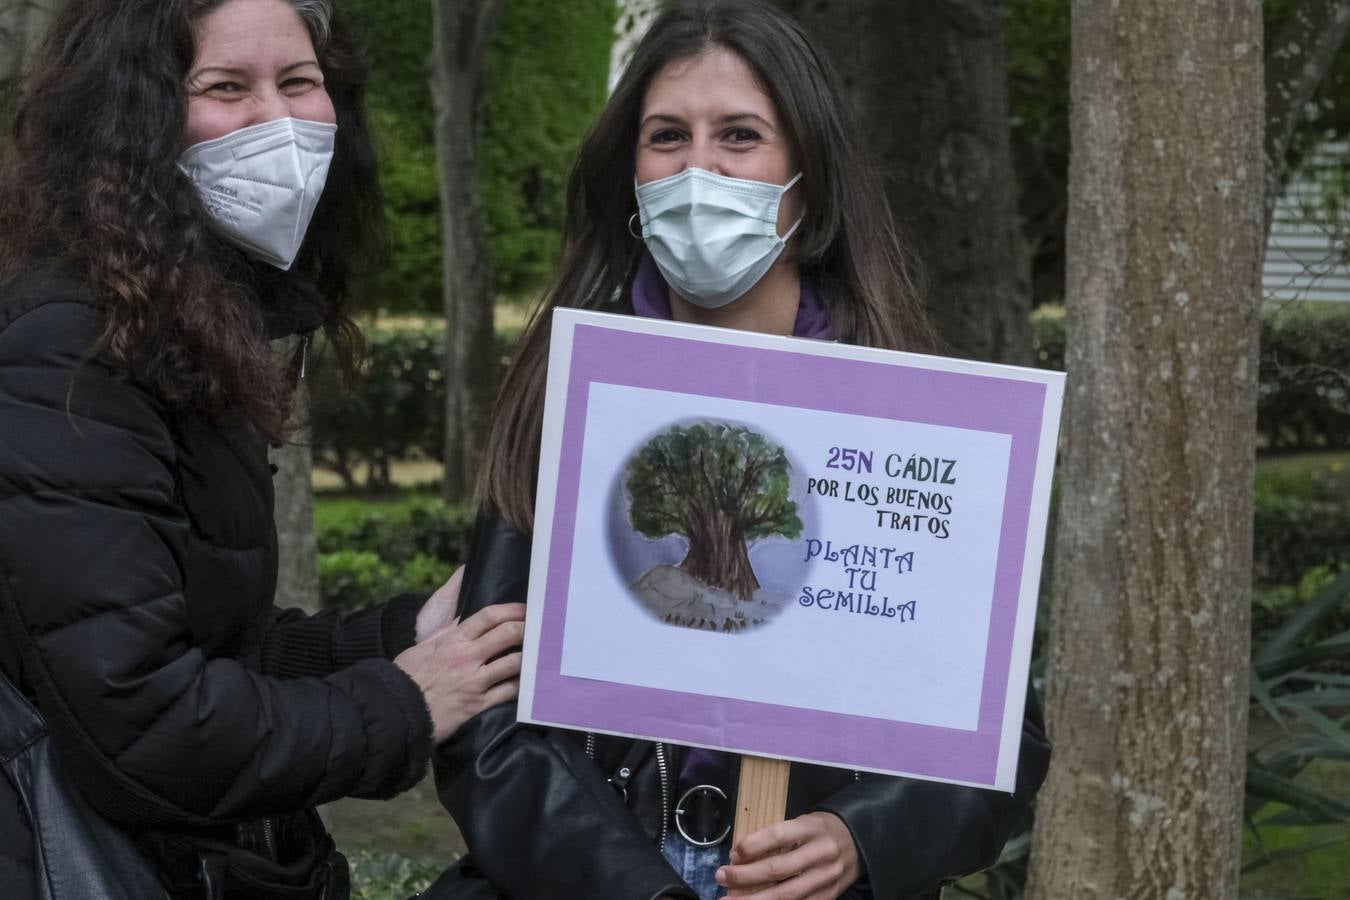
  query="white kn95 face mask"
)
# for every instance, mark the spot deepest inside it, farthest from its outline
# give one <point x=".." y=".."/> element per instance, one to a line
<point x="712" y="237"/>
<point x="261" y="184"/>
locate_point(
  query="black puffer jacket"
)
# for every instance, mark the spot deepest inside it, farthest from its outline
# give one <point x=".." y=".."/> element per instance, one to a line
<point x="136" y="542"/>
<point x="542" y="821"/>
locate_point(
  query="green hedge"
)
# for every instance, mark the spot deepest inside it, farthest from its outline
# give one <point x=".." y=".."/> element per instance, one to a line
<point x="1304" y="399"/>
<point x="370" y="552"/>
<point x="396" y="412"/>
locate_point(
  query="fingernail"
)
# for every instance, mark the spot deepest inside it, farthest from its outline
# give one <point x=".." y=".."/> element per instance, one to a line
<point x="721" y="876"/>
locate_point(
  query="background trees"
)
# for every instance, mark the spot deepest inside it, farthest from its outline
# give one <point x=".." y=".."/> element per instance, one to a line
<point x="927" y="79"/>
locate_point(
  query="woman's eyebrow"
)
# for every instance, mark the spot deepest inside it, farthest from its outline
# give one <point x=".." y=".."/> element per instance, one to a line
<point x="662" y="118"/>
<point x="220" y="70"/>
<point x="233" y="72"/>
<point x="736" y="117"/>
<point x="729" y="118"/>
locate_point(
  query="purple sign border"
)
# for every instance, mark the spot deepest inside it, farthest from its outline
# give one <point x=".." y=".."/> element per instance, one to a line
<point x="808" y="381"/>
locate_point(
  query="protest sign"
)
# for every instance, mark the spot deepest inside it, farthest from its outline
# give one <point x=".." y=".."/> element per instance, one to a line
<point x="788" y="548"/>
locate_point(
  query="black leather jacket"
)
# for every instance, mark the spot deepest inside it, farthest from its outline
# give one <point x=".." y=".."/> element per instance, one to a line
<point x="541" y="819"/>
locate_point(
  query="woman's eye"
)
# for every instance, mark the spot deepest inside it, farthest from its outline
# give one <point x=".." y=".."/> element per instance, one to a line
<point x="665" y="136"/>
<point x="226" y="87"/>
<point x="742" y="135"/>
<point x="299" y="84"/>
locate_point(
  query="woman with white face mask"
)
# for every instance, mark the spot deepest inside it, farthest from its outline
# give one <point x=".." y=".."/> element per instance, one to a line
<point x="722" y="186"/>
<point x="188" y="180"/>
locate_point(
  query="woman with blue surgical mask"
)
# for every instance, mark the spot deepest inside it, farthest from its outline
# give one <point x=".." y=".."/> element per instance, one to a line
<point x="188" y="181"/>
<point x="722" y="185"/>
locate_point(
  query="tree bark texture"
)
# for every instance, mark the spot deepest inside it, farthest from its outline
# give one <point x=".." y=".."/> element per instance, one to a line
<point x="1297" y="59"/>
<point x="462" y="32"/>
<point x="718" y="554"/>
<point x="297" y="552"/>
<point x="1147" y="696"/>
<point x="928" y="82"/>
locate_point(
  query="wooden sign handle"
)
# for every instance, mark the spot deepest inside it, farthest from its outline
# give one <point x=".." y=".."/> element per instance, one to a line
<point x="761" y="799"/>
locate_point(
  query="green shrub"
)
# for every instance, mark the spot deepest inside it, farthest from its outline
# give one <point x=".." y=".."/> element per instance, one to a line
<point x="389" y="876"/>
<point x="352" y="579"/>
<point x="395" y="412"/>
<point x="1305" y="377"/>
<point x="1294" y="535"/>
<point x="399" y="532"/>
<point x="371" y="552"/>
<point x="1304" y="393"/>
<point x="1272" y="607"/>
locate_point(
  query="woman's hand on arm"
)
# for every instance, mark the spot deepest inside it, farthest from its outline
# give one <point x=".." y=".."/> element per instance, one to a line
<point x="464" y="668"/>
<point x="811" y="857"/>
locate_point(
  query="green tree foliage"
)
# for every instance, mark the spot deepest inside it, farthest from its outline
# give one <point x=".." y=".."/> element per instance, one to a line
<point x="1038" y="98"/>
<point x="1328" y="118"/>
<point x="545" y="82"/>
<point x="720" y="486"/>
<point x="1038" y="76"/>
<point x="397" y="36"/>
<point x="546" y="75"/>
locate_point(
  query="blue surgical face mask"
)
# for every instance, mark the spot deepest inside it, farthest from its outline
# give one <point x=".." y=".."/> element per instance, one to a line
<point x="712" y="237"/>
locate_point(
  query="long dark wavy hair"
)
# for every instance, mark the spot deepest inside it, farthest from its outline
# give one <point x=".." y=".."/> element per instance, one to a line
<point x="847" y="246"/>
<point x="90" y="183"/>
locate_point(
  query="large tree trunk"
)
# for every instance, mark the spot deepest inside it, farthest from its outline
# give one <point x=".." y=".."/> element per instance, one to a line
<point x="718" y="555"/>
<point x="462" y="31"/>
<point x="297" y="554"/>
<point x="928" y="81"/>
<point x="1149" y="641"/>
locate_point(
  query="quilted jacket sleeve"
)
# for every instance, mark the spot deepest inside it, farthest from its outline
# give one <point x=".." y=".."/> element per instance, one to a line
<point x="92" y="544"/>
<point x="537" y="815"/>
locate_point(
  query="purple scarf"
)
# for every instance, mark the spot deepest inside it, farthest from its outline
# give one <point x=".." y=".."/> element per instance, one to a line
<point x="651" y="300"/>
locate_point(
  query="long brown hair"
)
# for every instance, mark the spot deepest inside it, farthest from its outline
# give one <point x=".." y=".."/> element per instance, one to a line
<point x="90" y="183"/>
<point x="847" y="246"/>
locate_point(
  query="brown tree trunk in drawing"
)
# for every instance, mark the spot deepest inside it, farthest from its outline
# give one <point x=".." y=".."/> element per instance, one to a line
<point x="718" y="555"/>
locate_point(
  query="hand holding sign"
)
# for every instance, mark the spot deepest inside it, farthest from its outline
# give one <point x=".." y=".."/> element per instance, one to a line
<point x="811" y="857"/>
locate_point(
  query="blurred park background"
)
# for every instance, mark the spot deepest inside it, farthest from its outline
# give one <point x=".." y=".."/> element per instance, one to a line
<point x="479" y="106"/>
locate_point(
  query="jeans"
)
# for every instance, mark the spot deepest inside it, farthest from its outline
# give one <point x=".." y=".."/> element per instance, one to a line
<point x="697" y="865"/>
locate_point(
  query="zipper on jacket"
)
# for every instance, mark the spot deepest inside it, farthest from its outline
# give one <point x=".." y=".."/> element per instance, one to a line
<point x="269" y="839"/>
<point x="665" y="793"/>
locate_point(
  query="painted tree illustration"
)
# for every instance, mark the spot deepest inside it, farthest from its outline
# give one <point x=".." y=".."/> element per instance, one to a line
<point x="721" y="487"/>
